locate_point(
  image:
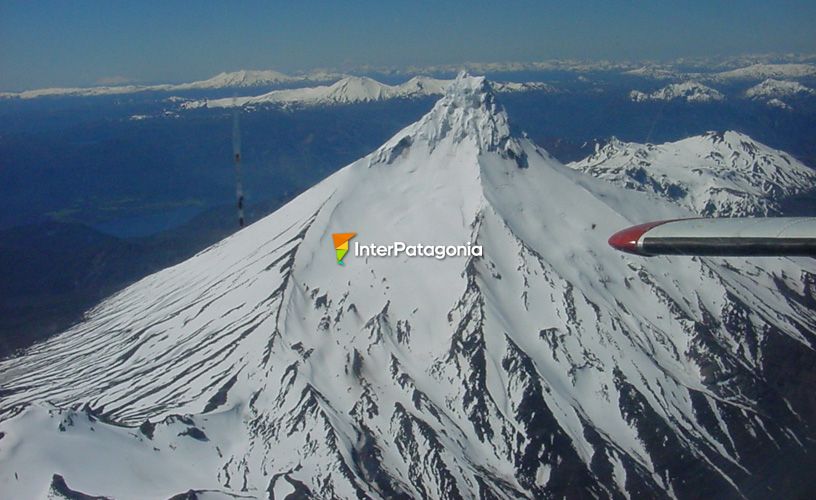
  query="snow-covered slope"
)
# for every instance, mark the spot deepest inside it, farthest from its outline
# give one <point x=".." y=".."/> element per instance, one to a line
<point x="688" y="91"/>
<point x="551" y="366"/>
<point x="726" y="174"/>
<point x="243" y="78"/>
<point x="773" y="91"/>
<point x="354" y="89"/>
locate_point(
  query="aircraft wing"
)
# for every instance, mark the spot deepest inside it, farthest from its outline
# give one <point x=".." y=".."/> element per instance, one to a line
<point x="758" y="236"/>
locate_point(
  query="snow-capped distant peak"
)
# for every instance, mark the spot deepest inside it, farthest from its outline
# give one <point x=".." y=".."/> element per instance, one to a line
<point x="715" y="174"/>
<point x="242" y="78"/>
<point x="358" y="89"/>
<point x="654" y="72"/>
<point x="761" y="71"/>
<point x="772" y="88"/>
<point x="778" y="103"/>
<point x="771" y="91"/>
<point x="690" y="91"/>
<point x="425" y="85"/>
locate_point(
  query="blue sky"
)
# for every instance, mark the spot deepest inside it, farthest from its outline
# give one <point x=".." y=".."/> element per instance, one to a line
<point x="63" y="43"/>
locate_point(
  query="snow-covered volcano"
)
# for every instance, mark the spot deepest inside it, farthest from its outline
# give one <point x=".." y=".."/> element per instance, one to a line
<point x="550" y="366"/>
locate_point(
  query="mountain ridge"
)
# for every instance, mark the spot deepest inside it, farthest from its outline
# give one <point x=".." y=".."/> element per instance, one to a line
<point x="223" y="80"/>
<point x="354" y="89"/>
<point x="724" y="174"/>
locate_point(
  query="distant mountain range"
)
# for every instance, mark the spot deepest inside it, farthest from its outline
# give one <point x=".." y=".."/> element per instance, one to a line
<point x="733" y="69"/>
<point x="236" y="79"/>
<point x="771" y="91"/>
<point x="756" y="71"/>
<point x="354" y="89"/>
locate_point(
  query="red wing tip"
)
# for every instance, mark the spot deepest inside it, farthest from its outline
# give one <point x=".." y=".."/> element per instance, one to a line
<point x="627" y="239"/>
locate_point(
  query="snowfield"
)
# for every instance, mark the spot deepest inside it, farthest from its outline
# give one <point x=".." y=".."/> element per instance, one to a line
<point x="552" y="366"/>
<point x="716" y="174"/>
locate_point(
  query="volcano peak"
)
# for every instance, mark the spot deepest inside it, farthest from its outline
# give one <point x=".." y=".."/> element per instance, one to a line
<point x="468" y="113"/>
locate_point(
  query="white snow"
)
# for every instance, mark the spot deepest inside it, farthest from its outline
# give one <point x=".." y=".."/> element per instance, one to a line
<point x="242" y="78"/>
<point x="772" y="91"/>
<point x="691" y="91"/>
<point x="726" y="174"/>
<point x="771" y="88"/>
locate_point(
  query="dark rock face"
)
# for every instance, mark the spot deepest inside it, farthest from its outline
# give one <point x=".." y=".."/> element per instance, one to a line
<point x="61" y="489"/>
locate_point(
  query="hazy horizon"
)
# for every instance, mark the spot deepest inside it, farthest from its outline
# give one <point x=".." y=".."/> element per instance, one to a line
<point x="56" y="43"/>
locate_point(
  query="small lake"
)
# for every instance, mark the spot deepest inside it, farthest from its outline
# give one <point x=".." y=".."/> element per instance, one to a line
<point x="147" y="224"/>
